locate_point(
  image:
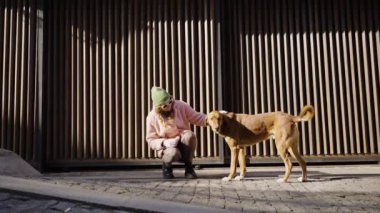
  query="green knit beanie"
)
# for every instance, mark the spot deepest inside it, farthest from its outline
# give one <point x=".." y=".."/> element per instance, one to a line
<point x="159" y="96"/>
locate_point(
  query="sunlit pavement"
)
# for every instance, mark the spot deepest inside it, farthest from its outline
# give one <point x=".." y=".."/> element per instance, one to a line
<point x="338" y="188"/>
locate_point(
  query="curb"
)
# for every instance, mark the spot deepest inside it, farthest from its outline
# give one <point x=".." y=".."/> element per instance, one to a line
<point x="120" y="202"/>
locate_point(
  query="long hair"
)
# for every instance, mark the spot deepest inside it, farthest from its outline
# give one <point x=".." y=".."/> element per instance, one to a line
<point x="165" y="117"/>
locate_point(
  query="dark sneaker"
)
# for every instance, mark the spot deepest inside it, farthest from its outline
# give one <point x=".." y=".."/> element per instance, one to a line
<point x="189" y="171"/>
<point x="167" y="171"/>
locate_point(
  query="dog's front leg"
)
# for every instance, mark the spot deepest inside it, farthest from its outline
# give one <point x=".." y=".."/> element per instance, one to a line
<point x="242" y="164"/>
<point x="234" y="157"/>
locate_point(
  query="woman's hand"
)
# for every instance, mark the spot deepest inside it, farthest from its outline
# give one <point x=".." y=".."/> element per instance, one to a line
<point x="171" y="142"/>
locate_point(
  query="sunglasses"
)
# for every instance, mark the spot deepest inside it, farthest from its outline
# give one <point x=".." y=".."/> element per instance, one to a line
<point x="167" y="104"/>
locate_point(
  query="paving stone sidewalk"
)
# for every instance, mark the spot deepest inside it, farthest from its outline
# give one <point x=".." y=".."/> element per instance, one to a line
<point x="16" y="202"/>
<point x="354" y="188"/>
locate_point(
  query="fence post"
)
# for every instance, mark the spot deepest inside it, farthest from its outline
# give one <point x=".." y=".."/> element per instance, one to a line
<point x="218" y="8"/>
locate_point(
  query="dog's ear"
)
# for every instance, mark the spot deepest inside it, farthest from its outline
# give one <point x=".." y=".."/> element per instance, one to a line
<point x="230" y="115"/>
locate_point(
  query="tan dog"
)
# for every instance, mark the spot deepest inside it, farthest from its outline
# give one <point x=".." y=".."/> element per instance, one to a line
<point x="240" y="130"/>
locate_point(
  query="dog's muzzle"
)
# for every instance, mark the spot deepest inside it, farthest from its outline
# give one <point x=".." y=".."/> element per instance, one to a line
<point x="216" y="129"/>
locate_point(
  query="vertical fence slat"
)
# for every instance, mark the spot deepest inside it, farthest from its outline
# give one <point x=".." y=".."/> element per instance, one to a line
<point x="136" y="75"/>
<point x="248" y="62"/>
<point x="347" y="68"/>
<point x="74" y="73"/>
<point x="84" y="90"/>
<point x="369" y="139"/>
<point x="17" y="76"/>
<point x="294" y="41"/>
<point x="338" y="32"/>
<point x="303" y="68"/>
<point x="2" y="73"/>
<point x="130" y="70"/>
<point x="214" y="62"/>
<point x="207" y="86"/>
<point x="31" y="38"/>
<point x="267" y="105"/>
<point x="143" y="85"/>
<point x="23" y="75"/>
<point x="69" y="91"/>
<point x="49" y="131"/>
<point x="12" y="75"/>
<point x="188" y="24"/>
<point x="273" y="68"/>
<point x="362" y="143"/>
<point x="110" y="90"/>
<point x="198" y="100"/>
<point x="92" y="80"/>
<point x="177" y="47"/>
<point x="279" y="106"/>
<point x="123" y="80"/>
<point x="254" y="71"/>
<point x="325" y="71"/>
<point x="331" y="94"/>
<point x="259" y="147"/>
<point x="286" y="37"/>
<point x="352" y="73"/>
<point x="2" y="65"/>
<point x="54" y="95"/>
<point x="99" y="82"/>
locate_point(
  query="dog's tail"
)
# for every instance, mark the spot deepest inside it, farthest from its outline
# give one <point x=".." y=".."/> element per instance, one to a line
<point x="307" y="113"/>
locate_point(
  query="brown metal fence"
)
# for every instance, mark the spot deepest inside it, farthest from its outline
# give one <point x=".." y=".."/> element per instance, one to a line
<point x="285" y="54"/>
<point x="102" y="57"/>
<point x="18" y="76"/>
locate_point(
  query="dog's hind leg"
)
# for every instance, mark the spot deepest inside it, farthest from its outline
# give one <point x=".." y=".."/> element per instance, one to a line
<point x="288" y="166"/>
<point x="293" y="150"/>
<point x="282" y="144"/>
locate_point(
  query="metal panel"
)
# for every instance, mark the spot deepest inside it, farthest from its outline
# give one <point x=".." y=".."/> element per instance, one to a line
<point x="17" y="76"/>
<point x="103" y="58"/>
<point x="291" y="53"/>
